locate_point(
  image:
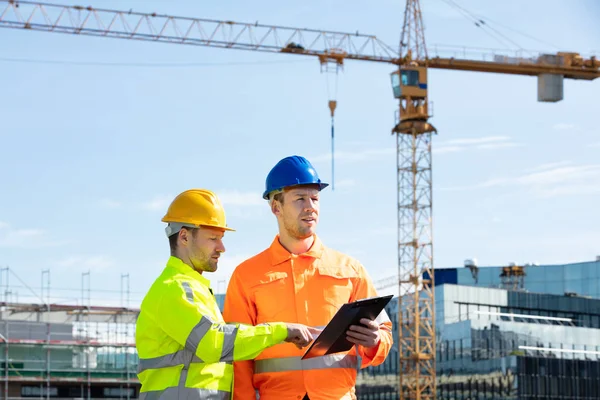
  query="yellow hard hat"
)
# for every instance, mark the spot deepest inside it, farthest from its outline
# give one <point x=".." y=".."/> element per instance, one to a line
<point x="194" y="208"/>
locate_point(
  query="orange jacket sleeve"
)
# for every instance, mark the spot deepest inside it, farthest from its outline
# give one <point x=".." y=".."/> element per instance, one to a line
<point x="238" y="308"/>
<point x="376" y="355"/>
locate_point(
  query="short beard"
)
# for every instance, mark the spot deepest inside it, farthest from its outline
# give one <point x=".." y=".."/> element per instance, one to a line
<point x="294" y="230"/>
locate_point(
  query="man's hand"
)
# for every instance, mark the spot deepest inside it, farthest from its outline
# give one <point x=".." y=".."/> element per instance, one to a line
<point x="366" y="336"/>
<point x="301" y="335"/>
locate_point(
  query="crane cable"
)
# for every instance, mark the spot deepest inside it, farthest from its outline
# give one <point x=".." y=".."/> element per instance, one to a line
<point x="332" y="106"/>
<point x="482" y="22"/>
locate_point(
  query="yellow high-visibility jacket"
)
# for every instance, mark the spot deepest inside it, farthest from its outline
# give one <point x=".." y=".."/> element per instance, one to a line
<point x="185" y="348"/>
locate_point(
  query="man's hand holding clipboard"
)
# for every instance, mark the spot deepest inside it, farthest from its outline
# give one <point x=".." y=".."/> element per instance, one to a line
<point x="365" y="334"/>
<point x="345" y="331"/>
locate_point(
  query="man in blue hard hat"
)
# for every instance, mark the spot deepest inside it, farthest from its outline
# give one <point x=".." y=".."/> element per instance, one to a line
<point x="298" y="279"/>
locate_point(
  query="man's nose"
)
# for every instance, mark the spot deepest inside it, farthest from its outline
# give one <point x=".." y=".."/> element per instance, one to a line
<point x="310" y="205"/>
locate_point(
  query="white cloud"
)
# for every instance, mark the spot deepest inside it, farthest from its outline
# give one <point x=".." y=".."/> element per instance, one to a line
<point x="160" y="202"/>
<point x="564" y="127"/>
<point x="28" y="238"/>
<point x="492" y="146"/>
<point x="550" y="180"/>
<point x="548" y="166"/>
<point x="481" y="140"/>
<point x="445" y="149"/>
<point x="594" y="145"/>
<point x="470" y="144"/>
<point x="84" y="263"/>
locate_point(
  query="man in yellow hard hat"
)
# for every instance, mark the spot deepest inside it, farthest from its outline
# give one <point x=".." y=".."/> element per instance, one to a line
<point x="185" y="348"/>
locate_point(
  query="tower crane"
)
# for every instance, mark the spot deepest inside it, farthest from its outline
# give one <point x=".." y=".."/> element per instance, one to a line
<point x="413" y="131"/>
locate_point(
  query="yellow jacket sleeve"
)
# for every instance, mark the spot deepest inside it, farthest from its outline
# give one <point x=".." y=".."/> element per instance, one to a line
<point x="211" y="341"/>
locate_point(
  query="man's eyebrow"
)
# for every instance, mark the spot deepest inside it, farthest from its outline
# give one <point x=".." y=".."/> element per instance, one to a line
<point x="305" y="194"/>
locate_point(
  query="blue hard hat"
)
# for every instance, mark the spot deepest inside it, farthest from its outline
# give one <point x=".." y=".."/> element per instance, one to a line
<point x="292" y="171"/>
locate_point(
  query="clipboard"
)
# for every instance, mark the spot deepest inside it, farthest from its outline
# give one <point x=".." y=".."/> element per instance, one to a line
<point x="333" y="337"/>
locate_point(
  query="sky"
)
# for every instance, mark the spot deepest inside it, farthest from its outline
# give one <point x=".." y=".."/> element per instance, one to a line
<point x="98" y="135"/>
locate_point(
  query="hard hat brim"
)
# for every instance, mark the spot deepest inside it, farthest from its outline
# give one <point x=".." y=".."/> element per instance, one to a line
<point x="321" y="185"/>
<point x="189" y="225"/>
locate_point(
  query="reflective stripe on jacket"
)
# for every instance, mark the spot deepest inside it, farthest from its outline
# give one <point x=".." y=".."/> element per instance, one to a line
<point x="185" y="348"/>
<point x="307" y="288"/>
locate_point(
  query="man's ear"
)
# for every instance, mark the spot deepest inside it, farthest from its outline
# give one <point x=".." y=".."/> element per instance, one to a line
<point x="275" y="207"/>
<point x="183" y="236"/>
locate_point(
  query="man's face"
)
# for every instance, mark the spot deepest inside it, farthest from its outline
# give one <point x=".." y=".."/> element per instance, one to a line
<point x="300" y="211"/>
<point x="204" y="248"/>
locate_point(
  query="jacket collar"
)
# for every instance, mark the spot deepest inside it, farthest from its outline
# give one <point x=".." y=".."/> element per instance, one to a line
<point x="180" y="266"/>
<point x="279" y="254"/>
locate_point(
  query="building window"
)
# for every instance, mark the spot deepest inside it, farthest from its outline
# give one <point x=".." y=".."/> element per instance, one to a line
<point x="38" y="391"/>
<point x="118" y="392"/>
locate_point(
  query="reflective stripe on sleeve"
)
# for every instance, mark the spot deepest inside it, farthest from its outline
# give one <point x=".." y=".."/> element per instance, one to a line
<point x="188" y="291"/>
<point x="197" y="334"/>
<point x="176" y="393"/>
<point x="188" y="354"/>
<point x="180" y="357"/>
<point x="230" y="332"/>
<point x="297" y="364"/>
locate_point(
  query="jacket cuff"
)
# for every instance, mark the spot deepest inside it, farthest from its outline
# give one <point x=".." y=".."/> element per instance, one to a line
<point x="279" y="331"/>
<point x="370" y="353"/>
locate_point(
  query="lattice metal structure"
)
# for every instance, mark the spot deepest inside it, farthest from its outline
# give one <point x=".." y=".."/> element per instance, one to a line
<point x="153" y="27"/>
<point x="416" y="334"/>
<point x="412" y="40"/>
<point x="415" y="264"/>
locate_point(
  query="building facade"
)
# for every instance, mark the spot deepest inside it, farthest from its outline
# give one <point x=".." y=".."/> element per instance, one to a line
<point x="513" y="332"/>
<point x="67" y="352"/>
<point x="577" y="279"/>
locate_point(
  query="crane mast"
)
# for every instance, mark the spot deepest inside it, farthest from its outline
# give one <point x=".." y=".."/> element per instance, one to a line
<point x="416" y="313"/>
<point x="416" y="328"/>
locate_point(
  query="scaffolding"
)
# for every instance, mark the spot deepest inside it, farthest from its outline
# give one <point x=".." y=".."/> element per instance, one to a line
<point x="50" y="350"/>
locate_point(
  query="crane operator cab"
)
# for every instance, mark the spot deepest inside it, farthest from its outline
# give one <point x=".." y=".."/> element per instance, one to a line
<point x="409" y="85"/>
<point x="410" y="82"/>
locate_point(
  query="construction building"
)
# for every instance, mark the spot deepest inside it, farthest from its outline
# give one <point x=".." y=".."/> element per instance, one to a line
<point x="509" y="332"/>
<point x="67" y="351"/>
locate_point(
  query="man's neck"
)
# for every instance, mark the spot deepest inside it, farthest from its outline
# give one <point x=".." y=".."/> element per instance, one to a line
<point x="186" y="260"/>
<point x="296" y="246"/>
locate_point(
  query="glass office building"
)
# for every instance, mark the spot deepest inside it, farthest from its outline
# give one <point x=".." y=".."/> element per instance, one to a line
<point x="515" y="332"/>
<point x="578" y="279"/>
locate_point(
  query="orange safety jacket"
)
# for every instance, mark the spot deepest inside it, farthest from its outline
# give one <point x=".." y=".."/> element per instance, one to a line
<point x="307" y="288"/>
